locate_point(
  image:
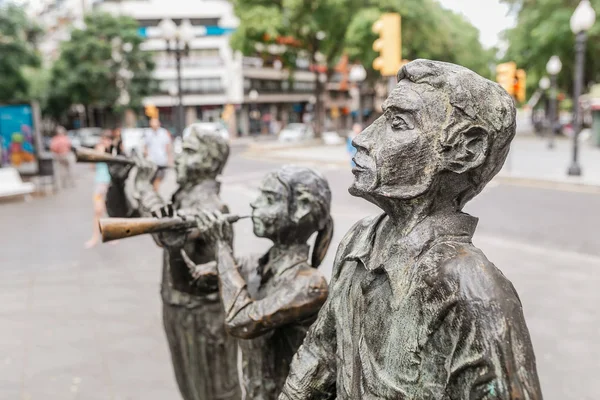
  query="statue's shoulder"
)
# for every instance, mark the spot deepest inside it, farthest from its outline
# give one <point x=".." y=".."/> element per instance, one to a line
<point x="357" y="240"/>
<point x="360" y="233"/>
<point x="465" y="268"/>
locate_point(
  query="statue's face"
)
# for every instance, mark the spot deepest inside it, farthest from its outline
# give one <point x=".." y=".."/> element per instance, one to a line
<point x="397" y="155"/>
<point x="193" y="161"/>
<point x="270" y="214"/>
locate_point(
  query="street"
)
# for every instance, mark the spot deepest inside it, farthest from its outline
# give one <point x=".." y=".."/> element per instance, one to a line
<point x="86" y="324"/>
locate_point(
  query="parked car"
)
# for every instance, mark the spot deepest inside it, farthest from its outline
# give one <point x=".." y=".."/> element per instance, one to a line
<point x="332" y="138"/>
<point x="75" y="140"/>
<point x="89" y="137"/>
<point x="133" y="141"/>
<point x="209" y="126"/>
<point x="296" y="132"/>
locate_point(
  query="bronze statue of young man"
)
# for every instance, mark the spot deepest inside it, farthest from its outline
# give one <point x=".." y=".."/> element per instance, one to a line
<point x="415" y="310"/>
<point x="204" y="357"/>
<point x="271" y="300"/>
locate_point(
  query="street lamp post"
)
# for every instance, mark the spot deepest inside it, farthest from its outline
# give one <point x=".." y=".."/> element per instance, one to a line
<point x="553" y="67"/>
<point x="178" y="39"/>
<point x="581" y="21"/>
<point x="253" y="114"/>
<point x="357" y="75"/>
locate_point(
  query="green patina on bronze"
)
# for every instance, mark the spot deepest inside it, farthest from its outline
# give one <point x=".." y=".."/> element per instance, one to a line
<point x="270" y="300"/>
<point x="204" y="356"/>
<point x="416" y="311"/>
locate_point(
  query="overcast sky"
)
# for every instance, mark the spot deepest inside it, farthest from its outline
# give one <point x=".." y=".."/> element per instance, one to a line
<point x="489" y="16"/>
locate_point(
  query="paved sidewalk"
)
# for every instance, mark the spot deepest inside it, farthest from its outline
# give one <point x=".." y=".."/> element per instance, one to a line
<point x="529" y="159"/>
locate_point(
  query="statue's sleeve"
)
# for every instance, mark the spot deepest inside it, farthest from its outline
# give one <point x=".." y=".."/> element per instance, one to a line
<point x="248" y="318"/>
<point x="489" y="354"/>
<point x="313" y="369"/>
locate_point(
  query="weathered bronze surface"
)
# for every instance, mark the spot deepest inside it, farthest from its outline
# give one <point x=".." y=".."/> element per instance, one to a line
<point x="204" y="357"/>
<point x="271" y="300"/>
<point x="84" y="155"/>
<point x="415" y="310"/>
<point x="121" y="228"/>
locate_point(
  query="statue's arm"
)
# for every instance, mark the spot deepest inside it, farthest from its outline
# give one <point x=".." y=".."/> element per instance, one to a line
<point x="493" y="357"/>
<point x="204" y="276"/>
<point x="246" y="317"/>
<point x="119" y="202"/>
<point x="313" y="370"/>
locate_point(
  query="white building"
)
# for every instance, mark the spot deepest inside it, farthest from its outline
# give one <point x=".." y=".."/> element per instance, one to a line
<point x="212" y="74"/>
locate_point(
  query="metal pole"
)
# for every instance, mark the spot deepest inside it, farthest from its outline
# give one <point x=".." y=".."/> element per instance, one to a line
<point x="552" y="111"/>
<point x="180" y="116"/>
<point x="575" y="168"/>
<point x="359" y="118"/>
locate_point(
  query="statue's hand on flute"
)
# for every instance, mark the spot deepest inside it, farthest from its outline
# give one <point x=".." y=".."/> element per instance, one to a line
<point x="171" y="239"/>
<point x="215" y="226"/>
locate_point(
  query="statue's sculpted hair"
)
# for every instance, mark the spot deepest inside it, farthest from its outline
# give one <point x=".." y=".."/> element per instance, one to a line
<point x="479" y="106"/>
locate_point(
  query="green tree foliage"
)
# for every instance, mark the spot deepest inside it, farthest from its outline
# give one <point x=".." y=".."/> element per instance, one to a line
<point x="324" y="29"/>
<point x="18" y="37"/>
<point x="543" y="30"/>
<point x="97" y="62"/>
<point x="428" y="31"/>
<point x="318" y="26"/>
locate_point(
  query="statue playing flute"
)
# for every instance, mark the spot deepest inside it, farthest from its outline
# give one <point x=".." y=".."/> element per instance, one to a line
<point x="204" y="357"/>
<point x="270" y="301"/>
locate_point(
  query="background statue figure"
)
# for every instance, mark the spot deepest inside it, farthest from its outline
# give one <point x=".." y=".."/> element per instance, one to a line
<point x="415" y="310"/>
<point x="204" y="356"/>
<point x="271" y="300"/>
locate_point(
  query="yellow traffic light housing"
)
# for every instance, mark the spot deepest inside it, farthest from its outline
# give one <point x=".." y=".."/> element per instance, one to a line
<point x="505" y="76"/>
<point x="389" y="44"/>
<point x="520" y="85"/>
<point x="151" y="111"/>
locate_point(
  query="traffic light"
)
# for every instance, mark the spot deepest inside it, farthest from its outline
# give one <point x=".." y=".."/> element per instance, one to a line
<point x="228" y="111"/>
<point x="389" y="44"/>
<point x="520" y="84"/>
<point x="505" y="76"/>
<point x="151" y="111"/>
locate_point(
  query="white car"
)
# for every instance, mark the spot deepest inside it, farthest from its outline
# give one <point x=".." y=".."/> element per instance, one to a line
<point x="296" y="132"/>
<point x="332" y="138"/>
<point x="208" y="126"/>
<point x="89" y="137"/>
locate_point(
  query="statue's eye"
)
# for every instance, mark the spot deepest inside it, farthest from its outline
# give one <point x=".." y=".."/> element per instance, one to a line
<point x="398" y="123"/>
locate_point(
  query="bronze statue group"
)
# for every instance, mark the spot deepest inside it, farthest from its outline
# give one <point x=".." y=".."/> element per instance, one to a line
<point x="413" y="310"/>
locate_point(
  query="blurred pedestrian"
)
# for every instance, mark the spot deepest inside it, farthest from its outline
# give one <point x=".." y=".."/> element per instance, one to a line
<point x="60" y="146"/>
<point x="101" y="182"/>
<point x="158" y="149"/>
<point x="116" y="145"/>
<point x="356" y="129"/>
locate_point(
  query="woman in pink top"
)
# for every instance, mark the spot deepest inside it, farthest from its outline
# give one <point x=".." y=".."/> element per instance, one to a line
<point x="60" y="145"/>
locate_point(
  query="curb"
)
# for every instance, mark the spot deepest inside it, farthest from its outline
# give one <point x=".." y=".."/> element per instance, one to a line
<point x="547" y="183"/>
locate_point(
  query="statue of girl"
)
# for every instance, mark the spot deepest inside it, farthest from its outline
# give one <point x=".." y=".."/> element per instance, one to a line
<point x="270" y="301"/>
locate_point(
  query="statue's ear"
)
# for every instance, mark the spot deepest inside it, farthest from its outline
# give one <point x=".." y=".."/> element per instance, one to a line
<point x="302" y="207"/>
<point x="468" y="152"/>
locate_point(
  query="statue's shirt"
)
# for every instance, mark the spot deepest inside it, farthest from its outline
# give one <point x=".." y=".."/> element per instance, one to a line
<point x="276" y="281"/>
<point x="430" y="319"/>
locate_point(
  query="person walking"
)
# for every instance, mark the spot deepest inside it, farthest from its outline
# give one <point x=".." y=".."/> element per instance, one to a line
<point x="60" y="146"/>
<point x="356" y="129"/>
<point x="101" y="180"/>
<point x="116" y="145"/>
<point x="158" y="149"/>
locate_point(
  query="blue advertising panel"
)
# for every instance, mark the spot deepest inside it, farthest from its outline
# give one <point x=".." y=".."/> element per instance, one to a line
<point x="17" y="137"/>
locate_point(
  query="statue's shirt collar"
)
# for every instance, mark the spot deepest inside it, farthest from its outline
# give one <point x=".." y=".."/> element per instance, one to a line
<point x="407" y="251"/>
<point x="276" y="261"/>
